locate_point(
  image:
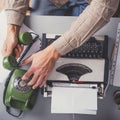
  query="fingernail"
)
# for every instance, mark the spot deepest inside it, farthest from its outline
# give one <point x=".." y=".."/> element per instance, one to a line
<point x="34" y="87"/>
<point x="24" y="78"/>
<point x="29" y="84"/>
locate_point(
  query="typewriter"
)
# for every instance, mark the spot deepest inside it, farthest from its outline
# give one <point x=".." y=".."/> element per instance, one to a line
<point x="85" y="66"/>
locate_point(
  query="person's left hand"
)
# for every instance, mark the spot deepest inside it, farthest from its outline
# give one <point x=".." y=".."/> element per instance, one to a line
<point x="11" y="42"/>
<point x="42" y="64"/>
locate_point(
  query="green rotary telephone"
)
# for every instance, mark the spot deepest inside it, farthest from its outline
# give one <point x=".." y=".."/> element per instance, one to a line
<point x="17" y="94"/>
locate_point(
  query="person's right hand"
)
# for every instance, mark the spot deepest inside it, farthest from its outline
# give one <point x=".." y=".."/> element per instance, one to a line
<point x="11" y="42"/>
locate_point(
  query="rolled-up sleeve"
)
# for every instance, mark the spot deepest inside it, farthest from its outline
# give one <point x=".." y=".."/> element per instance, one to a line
<point x="94" y="17"/>
<point x="15" y="10"/>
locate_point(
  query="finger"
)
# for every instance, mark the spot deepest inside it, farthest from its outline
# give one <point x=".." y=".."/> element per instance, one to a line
<point x="28" y="74"/>
<point x="38" y="82"/>
<point x="43" y="81"/>
<point x="27" y="61"/>
<point x="16" y="51"/>
<point x="33" y="80"/>
<point x="20" y="48"/>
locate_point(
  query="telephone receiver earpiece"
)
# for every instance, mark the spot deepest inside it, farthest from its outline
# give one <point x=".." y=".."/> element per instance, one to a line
<point x="9" y="62"/>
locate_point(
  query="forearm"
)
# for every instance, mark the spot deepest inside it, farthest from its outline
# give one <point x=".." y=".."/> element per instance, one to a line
<point x="94" y="17"/>
<point x="15" y="11"/>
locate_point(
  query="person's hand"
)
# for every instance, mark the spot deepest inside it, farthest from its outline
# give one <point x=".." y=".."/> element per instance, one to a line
<point x="11" y="42"/>
<point x="42" y="64"/>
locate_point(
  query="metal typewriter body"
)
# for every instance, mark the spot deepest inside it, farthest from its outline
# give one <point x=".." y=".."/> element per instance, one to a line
<point x="86" y="66"/>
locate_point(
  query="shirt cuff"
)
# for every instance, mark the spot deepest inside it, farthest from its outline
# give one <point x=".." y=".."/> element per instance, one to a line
<point x="14" y="17"/>
<point x="62" y="45"/>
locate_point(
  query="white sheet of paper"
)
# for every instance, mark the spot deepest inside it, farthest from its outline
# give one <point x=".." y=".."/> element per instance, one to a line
<point x="3" y="31"/>
<point x="74" y="100"/>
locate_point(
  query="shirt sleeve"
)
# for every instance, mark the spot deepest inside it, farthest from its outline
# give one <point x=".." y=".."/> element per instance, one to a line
<point x="94" y="17"/>
<point x="15" y="11"/>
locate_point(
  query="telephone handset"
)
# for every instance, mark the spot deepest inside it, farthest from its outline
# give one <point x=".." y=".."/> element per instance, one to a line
<point x="9" y="62"/>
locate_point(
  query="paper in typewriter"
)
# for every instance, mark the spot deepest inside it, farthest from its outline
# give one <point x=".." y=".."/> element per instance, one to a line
<point x="74" y="100"/>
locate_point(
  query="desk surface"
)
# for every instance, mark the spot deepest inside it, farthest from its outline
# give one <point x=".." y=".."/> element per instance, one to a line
<point x="106" y="107"/>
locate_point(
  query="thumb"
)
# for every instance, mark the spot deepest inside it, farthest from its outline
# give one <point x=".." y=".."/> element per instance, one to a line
<point x="27" y="61"/>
